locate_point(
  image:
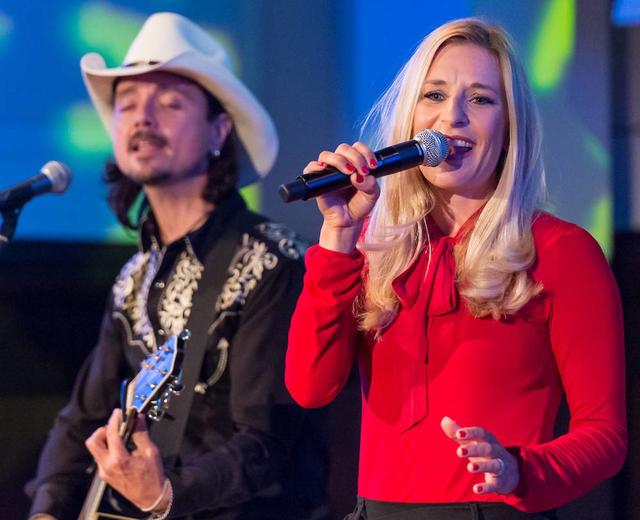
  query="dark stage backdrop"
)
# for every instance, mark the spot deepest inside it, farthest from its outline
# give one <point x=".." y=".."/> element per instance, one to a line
<point x="317" y="66"/>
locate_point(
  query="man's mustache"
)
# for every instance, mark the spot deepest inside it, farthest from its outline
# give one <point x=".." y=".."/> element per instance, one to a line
<point x="146" y="136"/>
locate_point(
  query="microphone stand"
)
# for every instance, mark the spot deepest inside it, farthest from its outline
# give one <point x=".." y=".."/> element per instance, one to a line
<point x="9" y="223"/>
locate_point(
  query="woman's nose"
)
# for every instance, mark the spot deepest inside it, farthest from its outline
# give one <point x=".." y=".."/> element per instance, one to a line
<point x="454" y="113"/>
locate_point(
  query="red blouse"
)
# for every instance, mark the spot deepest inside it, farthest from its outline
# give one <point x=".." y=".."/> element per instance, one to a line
<point x="507" y="376"/>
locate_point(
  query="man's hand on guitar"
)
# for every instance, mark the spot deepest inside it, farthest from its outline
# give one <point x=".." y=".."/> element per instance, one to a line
<point x="138" y="475"/>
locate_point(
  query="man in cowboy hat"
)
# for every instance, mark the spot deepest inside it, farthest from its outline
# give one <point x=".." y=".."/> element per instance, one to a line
<point x="178" y="118"/>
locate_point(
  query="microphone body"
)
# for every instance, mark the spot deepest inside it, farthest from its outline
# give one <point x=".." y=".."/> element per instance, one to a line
<point x="428" y="147"/>
<point x="54" y="177"/>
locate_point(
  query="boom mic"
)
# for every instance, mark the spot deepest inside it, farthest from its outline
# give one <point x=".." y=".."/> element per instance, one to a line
<point x="54" y="177"/>
<point x="428" y="147"/>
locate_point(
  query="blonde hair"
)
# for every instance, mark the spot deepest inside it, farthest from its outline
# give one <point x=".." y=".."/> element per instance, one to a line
<point x="493" y="259"/>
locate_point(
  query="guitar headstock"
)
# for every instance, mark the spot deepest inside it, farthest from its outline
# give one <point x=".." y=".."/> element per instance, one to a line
<point x="159" y="378"/>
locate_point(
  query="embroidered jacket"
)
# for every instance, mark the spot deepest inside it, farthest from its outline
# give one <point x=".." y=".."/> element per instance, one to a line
<point x="248" y="450"/>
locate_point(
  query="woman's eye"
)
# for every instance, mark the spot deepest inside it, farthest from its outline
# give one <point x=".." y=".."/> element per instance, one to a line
<point x="482" y="100"/>
<point x="434" y="96"/>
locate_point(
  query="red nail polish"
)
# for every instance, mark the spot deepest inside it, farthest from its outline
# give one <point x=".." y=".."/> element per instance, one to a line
<point x="359" y="178"/>
<point x="475" y="467"/>
<point x="364" y="169"/>
<point x="373" y="163"/>
<point x="350" y="167"/>
<point x="321" y="164"/>
<point x="462" y="434"/>
<point x="464" y="451"/>
<point x="479" y="489"/>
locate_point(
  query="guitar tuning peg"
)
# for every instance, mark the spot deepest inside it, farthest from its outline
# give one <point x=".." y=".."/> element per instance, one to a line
<point x="175" y="386"/>
<point x="159" y="407"/>
<point x="155" y="414"/>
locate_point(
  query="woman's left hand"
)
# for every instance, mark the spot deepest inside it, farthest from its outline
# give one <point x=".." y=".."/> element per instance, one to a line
<point x="485" y="455"/>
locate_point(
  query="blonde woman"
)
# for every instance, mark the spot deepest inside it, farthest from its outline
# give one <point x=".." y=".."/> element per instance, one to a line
<point x="469" y="310"/>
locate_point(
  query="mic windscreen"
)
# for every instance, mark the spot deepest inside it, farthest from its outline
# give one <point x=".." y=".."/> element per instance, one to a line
<point x="435" y="146"/>
<point x="59" y="174"/>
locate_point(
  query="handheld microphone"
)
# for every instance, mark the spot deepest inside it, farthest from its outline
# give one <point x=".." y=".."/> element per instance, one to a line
<point x="428" y="147"/>
<point x="54" y="177"/>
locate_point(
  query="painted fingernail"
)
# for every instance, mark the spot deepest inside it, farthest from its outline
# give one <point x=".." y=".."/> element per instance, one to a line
<point x="321" y="164"/>
<point x="478" y="489"/>
<point x="373" y="163"/>
<point x="475" y="467"/>
<point x="359" y="178"/>
<point x="350" y="167"/>
<point x="461" y="434"/>
<point x="364" y="169"/>
<point x="464" y="452"/>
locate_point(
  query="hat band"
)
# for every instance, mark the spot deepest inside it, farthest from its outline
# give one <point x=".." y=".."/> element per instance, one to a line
<point x="141" y="62"/>
<point x="132" y="64"/>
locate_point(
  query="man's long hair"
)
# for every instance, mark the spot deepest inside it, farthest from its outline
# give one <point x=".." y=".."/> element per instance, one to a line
<point x="222" y="173"/>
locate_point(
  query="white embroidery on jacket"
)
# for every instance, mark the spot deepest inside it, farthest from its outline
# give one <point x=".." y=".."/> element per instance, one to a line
<point x="175" y="308"/>
<point x="245" y="271"/>
<point x="223" y="357"/>
<point x="131" y="292"/>
<point x="289" y="244"/>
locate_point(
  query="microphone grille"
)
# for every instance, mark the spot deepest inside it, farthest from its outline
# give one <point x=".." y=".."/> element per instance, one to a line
<point x="59" y="174"/>
<point x="435" y="146"/>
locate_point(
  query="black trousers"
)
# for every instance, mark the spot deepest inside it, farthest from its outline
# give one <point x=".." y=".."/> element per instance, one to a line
<point x="374" y="510"/>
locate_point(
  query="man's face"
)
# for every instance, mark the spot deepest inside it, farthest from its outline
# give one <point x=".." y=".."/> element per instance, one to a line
<point x="160" y="130"/>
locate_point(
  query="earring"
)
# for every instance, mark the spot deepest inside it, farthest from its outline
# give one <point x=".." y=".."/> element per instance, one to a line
<point x="215" y="153"/>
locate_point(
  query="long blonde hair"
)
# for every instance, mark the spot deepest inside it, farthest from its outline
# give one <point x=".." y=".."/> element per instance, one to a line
<point x="493" y="260"/>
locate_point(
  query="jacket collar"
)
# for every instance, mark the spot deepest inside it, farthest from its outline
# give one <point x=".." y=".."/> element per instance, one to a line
<point x="198" y="240"/>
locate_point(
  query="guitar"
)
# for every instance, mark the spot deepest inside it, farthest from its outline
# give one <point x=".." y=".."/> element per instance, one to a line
<point x="147" y="393"/>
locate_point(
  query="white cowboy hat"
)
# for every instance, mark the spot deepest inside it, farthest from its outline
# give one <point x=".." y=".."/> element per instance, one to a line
<point x="172" y="43"/>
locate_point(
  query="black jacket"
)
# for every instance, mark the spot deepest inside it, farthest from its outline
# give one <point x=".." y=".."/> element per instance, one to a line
<point x="248" y="451"/>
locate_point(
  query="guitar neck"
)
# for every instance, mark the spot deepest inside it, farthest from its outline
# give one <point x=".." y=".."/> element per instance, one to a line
<point x="94" y="498"/>
<point x="91" y="505"/>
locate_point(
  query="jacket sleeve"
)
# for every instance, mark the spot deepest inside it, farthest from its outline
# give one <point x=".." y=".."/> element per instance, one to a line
<point x="324" y="337"/>
<point x="586" y="335"/>
<point x="62" y="478"/>
<point x="266" y="421"/>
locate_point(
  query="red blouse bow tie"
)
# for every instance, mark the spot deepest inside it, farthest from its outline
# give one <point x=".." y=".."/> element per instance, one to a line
<point x="426" y="290"/>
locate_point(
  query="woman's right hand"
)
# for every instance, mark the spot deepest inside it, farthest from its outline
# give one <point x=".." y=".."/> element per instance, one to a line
<point x="344" y="211"/>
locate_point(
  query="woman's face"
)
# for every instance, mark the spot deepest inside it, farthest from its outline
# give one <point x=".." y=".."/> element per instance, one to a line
<point x="462" y="97"/>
